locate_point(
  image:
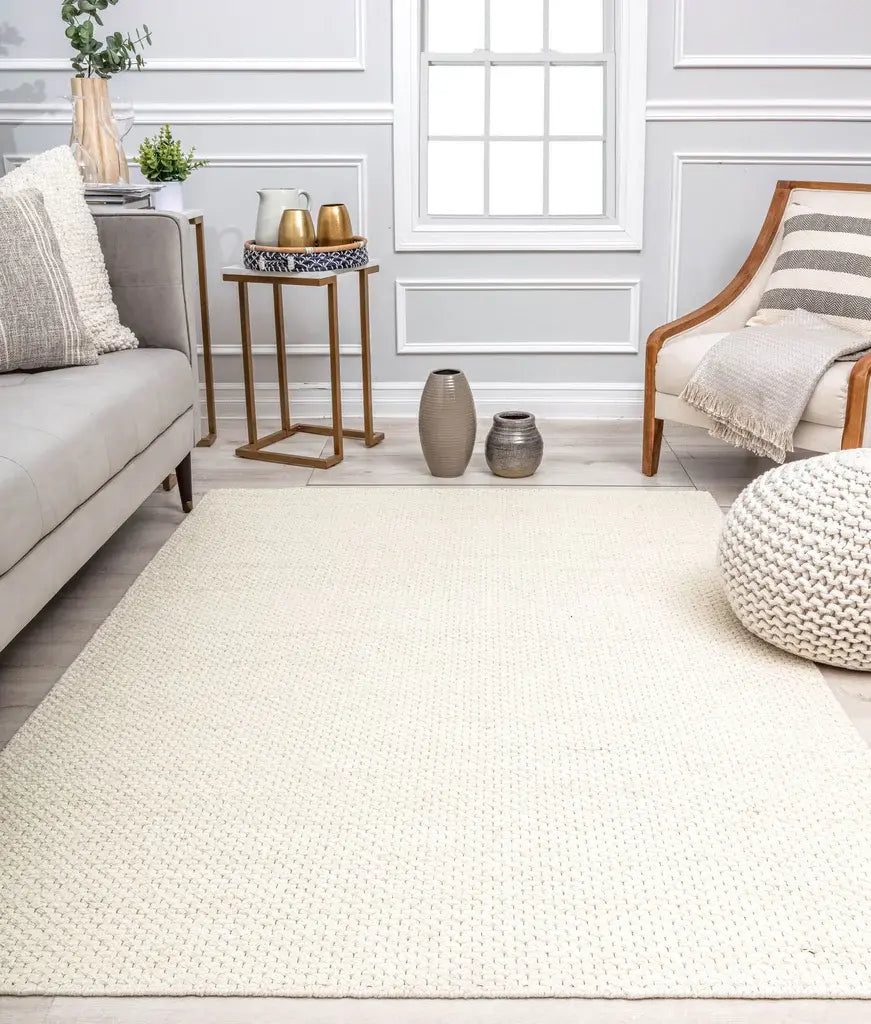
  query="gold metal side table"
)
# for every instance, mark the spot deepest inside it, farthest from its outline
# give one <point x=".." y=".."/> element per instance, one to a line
<point x="195" y="219"/>
<point x="256" y="446"/>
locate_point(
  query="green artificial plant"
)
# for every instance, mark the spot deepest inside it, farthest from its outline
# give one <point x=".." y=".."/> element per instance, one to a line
<point x="96" y="59"/>
<point x="162" y="159"/>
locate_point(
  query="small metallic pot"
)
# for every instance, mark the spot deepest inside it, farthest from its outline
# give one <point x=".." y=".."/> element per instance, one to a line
<point x="334" y="225"/>
<point x="296" y="230"/>
<point x="514" y="445"/>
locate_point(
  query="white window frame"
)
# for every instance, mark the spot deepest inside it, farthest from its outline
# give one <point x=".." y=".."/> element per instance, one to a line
<point x="621" y="230"/>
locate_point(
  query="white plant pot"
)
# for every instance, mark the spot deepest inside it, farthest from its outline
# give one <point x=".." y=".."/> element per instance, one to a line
<point x="170" y="197"/>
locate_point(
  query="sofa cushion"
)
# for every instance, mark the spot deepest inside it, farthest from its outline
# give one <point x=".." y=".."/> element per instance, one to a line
<point x="56" y="175"/>
<point x="40" y="324"/>
<point x="64" y="433"/>
<point x="679" y="358"/>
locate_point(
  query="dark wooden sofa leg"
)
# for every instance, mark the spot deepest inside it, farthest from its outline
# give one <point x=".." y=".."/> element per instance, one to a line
<point x="652" y="446"/>
<point x="185" y="483"/>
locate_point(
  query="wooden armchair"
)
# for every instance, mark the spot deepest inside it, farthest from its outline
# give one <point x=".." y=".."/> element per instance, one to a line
<point x="835" y="418"/>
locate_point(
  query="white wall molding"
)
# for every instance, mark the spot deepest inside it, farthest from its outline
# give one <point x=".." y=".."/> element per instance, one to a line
<point x="683" y="160"/>
<point x="223" y="160"/>
<point x="355" y="62"/>
<point x="401" y="400"/>
<point x="759" y="110"/>
<point x="215" y="113"/>
<point x="795" y="61"/>
<point x="632" y="287"/>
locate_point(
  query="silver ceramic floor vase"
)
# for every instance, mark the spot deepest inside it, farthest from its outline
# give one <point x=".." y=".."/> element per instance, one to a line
<point x="447" y="423"/>
<point x="514" y="445"/>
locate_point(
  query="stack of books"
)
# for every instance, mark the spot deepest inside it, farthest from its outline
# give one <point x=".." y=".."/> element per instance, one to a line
<point x="122" y="194"/>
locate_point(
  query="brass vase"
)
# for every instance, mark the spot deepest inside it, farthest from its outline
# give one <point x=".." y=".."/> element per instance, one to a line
<point x="334" y="225"/>
<point x="447" y="423"/>
<point x="95" y="131"/>
<point x="296" y="230"/>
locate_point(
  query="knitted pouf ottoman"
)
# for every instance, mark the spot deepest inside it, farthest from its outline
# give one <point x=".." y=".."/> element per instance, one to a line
<point x="795" y="558"/>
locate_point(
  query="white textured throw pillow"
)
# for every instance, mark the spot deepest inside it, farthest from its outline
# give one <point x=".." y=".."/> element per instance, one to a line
<point x="56" y="175"/>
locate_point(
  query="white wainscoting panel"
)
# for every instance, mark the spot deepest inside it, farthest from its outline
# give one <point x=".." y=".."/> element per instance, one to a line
<point x="770" y="34"/>
<point x="736" y="238"/>
<point x="282" y="35"/>
<point x="507" y="316"/>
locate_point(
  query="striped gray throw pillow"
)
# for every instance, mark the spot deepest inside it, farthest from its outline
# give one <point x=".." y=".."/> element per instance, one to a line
<point x="824" y="267"/>
<point x="40" y="326"/>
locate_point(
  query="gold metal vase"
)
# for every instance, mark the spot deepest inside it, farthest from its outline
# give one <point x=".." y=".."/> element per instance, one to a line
<point x="334" y="224"/>
<point x="296" y="230"/>
<point x="94" y="129"/>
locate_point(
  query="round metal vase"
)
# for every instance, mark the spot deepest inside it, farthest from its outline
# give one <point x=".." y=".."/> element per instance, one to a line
<point x="447" y="423"/>
<point x="514" y="445"/>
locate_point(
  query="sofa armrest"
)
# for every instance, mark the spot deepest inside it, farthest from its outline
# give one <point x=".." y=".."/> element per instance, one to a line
<point x="150" y="260"/>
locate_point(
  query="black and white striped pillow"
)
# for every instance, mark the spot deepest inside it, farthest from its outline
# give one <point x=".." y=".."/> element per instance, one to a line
<point x="824" y="266"/>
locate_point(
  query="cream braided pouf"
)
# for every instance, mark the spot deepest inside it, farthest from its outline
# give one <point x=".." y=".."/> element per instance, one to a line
<point x="795" y="558"/>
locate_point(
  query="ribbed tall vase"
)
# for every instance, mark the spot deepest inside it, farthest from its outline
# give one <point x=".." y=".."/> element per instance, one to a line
<point x="447" y="423"/>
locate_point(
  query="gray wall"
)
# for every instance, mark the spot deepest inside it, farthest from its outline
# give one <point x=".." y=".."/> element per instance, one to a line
<point x="739" y="95"/>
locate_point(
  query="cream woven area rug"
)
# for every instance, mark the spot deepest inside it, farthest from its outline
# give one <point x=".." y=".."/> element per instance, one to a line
<point x="436" y="742"/>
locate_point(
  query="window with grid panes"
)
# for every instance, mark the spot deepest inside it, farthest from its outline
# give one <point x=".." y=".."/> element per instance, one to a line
<point x="516" y="106"/>
<point x="516" y="110"/>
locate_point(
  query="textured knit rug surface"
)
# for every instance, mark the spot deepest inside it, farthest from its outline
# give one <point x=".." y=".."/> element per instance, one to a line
<point x="436" y="742"/>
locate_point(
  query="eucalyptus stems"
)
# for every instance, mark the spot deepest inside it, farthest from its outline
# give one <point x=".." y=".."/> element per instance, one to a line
<point x="96" y="58"/>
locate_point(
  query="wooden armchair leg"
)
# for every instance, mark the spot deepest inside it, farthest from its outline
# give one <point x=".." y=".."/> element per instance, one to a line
<point x="652" y="445"/>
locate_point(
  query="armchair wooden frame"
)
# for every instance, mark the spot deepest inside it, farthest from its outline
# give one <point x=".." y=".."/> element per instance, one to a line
<point x="860" y="378"/>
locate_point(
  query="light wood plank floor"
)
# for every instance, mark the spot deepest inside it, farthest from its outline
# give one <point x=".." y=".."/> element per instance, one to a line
<point x="587" y="454"/>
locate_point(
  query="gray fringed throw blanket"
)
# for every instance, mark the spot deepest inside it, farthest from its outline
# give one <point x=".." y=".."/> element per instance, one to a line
<point x="755" y="383"/>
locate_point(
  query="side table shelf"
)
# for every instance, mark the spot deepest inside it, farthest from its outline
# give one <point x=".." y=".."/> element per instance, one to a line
<point x="256" y="446"/>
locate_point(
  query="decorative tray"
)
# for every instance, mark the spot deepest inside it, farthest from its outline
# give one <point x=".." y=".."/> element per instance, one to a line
<point x="301" y="261"/>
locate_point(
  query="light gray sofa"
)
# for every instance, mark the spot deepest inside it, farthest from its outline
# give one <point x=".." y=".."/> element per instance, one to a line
<point x="82" y="447"/>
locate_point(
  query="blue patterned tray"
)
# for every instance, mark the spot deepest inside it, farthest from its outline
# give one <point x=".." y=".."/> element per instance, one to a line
<point x="302" y="261"/>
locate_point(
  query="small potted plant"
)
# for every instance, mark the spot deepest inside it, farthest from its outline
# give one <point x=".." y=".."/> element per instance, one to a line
<point x="162" y="161"/>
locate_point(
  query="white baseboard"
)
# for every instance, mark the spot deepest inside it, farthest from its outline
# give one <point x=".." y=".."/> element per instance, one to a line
<point x="400" y="400"/>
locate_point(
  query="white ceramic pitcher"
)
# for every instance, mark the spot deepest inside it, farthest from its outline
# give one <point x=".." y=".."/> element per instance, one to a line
<point x="273" y="202"/>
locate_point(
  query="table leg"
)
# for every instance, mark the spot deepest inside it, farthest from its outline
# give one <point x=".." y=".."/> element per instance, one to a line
<point x="335" y="373"/>
<point x="281" y="352"/>
<point x="208" y="368"/>
<point x="368" y="429"/>
<point x="247" y="363"/>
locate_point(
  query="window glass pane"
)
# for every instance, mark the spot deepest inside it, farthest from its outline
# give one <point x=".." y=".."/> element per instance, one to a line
<point x="577" y="100"/>
<point x="455" y="177"/>
<point x="454" y="26"/>
<point x="516" y="177"/>
<point x="577" y="26"/>
<point x="577" y="178"/>
<point x="516" y="100"/>
<point x="456" y="100"/>
<point x="516" y="26"/>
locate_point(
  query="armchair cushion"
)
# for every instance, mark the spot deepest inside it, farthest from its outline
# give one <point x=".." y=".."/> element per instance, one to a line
<point x="679" y="358"/>
<point x="824" y="266"/>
